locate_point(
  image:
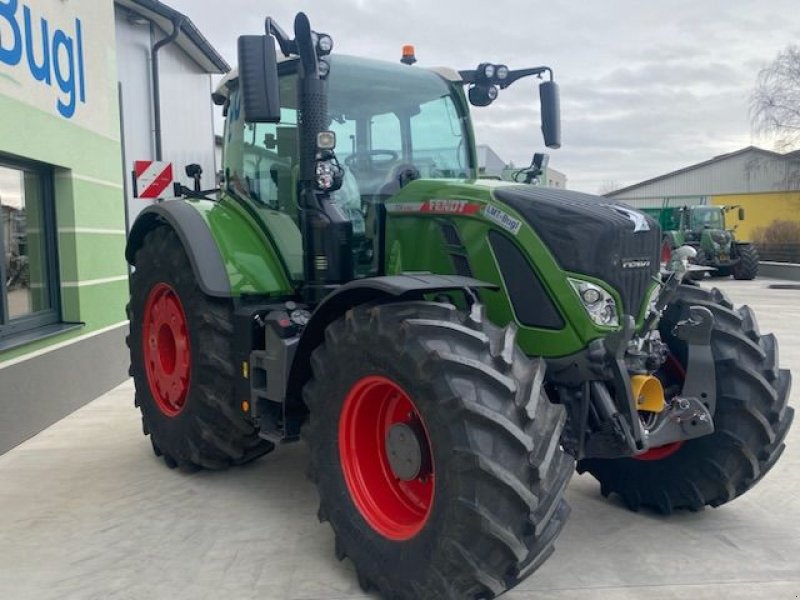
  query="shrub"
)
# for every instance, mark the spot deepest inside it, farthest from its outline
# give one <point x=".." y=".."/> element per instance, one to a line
<point x="779" y="241"/>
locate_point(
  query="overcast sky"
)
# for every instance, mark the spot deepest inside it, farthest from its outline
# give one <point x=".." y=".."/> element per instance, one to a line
<point x="646" y="87"/>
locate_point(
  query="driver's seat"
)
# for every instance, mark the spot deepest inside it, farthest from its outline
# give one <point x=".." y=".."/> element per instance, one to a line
<point x="399" y="176"/>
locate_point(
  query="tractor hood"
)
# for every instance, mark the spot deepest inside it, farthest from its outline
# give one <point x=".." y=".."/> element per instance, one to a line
<point x="593" y="235"/>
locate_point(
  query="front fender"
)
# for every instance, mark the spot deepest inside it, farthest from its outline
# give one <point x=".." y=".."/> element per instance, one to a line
<point x="394" y="287"/>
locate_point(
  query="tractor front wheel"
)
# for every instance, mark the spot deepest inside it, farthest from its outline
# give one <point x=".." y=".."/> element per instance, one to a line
<point x="751" y="419"/>
<point x="435" y="451"/>
<point x="747" y="267"/>
<point x="182" y="364"/>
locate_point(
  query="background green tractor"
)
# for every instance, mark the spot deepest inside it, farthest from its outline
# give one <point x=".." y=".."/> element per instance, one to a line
<point x="704" y="228"/>
<point x="447" y="346"/>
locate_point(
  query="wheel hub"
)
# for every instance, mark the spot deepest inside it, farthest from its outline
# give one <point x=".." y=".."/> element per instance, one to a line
<point x="404" y="451"/>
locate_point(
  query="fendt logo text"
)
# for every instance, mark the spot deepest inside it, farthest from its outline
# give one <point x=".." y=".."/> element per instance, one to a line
<point x="51" y="57"/>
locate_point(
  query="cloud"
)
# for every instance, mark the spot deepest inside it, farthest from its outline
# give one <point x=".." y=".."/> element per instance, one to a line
<point x="646" y="87"/>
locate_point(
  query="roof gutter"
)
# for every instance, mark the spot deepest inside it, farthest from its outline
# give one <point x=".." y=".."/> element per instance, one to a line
<point x="176" y="29"/>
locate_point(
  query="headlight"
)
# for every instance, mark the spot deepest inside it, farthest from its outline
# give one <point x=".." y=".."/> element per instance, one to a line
<point x="599" y="304"/>
<point x="501" y="72"/>
<point x="488" y="71"/>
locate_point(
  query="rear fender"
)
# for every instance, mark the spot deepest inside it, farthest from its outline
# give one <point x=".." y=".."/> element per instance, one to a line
<point x="229" y="255"/>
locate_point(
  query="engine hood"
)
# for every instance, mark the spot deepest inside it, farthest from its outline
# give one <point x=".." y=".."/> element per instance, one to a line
<point x="592" y="235"/>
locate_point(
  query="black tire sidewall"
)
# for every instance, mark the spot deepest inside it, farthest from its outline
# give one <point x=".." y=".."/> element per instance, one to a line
<point x="171" y="433"/>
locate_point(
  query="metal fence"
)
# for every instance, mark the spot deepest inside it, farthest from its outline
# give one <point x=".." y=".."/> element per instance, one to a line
<point x="779" y="252"/>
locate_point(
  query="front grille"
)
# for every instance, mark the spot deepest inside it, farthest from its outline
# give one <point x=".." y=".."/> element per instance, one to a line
<point x="632" y="283"/>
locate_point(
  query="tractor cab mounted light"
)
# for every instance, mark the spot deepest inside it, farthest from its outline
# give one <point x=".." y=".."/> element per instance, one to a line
<point x="409" y="55"/>
<point x="485" y="81"/>
<point x="326" y="140"/>
<point x="482" y="95"/>
<point x="324" y="44"/>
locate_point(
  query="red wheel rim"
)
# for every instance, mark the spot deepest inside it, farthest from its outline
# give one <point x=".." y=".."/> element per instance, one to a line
<point x="397" y="509"/>
<point x="167" y="356"/>
<point x="662" y="452"/>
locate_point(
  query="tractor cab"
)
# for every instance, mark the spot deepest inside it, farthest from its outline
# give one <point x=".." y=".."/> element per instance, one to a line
<point x="385" y="125"/>
<point x="391" y="125"/>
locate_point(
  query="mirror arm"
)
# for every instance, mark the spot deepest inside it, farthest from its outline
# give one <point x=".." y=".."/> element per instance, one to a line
<point x="520" y="73"/>
<point x="287" y="45"/>
<point x="471" y="76"/>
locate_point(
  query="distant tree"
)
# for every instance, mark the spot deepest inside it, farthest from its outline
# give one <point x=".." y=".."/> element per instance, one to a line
<point x="775" y="102"/>
<point x="608" y="186"/>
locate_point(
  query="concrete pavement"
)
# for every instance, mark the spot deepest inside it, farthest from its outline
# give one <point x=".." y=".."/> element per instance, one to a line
<point x="88" y="513"/>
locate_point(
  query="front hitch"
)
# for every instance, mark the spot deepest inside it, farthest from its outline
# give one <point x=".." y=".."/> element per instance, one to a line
<point x="686" y="416"/>
<point x="690" y="415"/>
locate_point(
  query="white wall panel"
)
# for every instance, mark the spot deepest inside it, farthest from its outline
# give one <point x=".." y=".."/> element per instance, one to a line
<point x="186" y="114"/>
<point x="133" y="70"/>
<point x="743" y="173"/>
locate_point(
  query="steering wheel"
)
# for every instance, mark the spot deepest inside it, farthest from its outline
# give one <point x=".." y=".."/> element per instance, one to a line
<point x="357" y="158"/>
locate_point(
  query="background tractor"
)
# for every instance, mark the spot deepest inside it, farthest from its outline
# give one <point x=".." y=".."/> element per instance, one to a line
<point x="704" y="228"/>
<point x="448" y="347"/>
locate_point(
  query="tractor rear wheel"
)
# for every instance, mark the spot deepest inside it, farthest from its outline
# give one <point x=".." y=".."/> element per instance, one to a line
<point x="747" y="267"/>
<point x="751" y="419"/>
<point x="182" y="364"/>
<point x="435" y="451"/>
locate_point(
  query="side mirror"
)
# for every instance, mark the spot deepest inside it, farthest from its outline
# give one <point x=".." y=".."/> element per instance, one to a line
<point x="551" y="114"/>
<point x="540" y="161"/>
<point x="741" y="213"/>
<point x="258" y="78"/>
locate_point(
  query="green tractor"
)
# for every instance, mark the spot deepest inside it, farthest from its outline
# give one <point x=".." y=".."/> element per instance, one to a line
<point x="449" y="348"/>
<point x="704" y="228"/>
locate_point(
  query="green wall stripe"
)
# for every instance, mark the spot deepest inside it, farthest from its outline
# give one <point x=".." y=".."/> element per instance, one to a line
<point x="83" y="204"/>
<point x="97" y="305"/>
<point x="58" y="142"/>
<point x="92" y="256"/>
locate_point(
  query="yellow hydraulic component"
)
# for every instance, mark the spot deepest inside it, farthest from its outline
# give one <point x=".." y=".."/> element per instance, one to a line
<point x="648" y="392"/>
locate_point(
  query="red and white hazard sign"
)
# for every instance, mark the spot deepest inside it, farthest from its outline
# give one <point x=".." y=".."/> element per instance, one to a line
<point x="152" y="178"/>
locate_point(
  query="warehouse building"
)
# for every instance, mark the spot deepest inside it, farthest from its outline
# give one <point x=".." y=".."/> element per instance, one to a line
<point x="766" y="184"/>
<point x="86" y="88"/>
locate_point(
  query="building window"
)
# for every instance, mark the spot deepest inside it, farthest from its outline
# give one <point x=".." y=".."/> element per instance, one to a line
<point x="29" y="292"/>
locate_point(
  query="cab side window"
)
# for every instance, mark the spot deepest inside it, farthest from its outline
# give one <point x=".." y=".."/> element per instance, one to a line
<point x="263" y="166"/>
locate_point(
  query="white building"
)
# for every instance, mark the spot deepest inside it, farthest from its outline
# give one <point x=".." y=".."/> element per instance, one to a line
<point x="84" y="85"/>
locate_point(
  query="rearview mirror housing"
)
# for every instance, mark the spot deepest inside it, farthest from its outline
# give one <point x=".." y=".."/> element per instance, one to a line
<point x="258" y="79"/>
<point x="551" y="113"/>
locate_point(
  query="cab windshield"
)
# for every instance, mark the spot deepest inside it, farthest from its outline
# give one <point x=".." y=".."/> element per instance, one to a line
<point x="707" y="218"/>
<point x="390" y="117"/>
